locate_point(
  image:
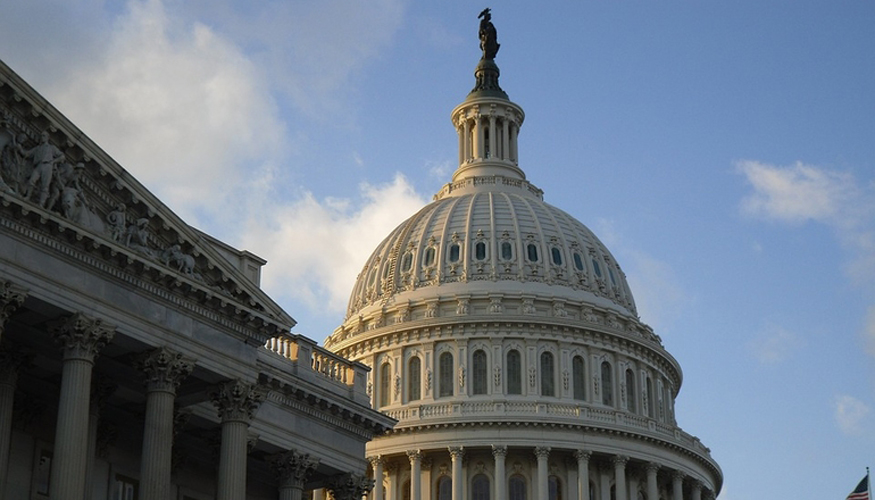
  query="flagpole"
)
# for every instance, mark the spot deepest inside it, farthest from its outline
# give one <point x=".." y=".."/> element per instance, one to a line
<point x="868" y="484"/>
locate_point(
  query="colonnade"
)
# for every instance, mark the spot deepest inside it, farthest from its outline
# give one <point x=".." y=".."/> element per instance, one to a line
<point x="609" y="472"/>
<point x="475" y="143"/>
<point x="81" y="399"/>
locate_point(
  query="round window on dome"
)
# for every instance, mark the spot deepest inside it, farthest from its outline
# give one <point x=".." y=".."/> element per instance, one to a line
<point x="480" y="250"/>
<point x="455" y="251"/>
<point x="556" y="255"/>
<point x="532" y="252"/>
<point x="428" y="259"/>
<point x="578" y="261"/>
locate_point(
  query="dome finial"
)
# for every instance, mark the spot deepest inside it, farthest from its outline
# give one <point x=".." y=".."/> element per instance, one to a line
<point x="488" y="36"/>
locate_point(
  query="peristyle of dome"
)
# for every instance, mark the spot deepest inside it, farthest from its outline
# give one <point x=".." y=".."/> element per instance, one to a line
<point x="504" y="338"/>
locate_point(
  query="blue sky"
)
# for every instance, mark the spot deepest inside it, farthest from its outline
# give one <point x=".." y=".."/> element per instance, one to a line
<point x="723" y="151"/>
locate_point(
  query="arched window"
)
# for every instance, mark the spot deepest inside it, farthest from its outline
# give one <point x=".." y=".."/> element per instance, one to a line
<point x="630" y="390"/>
<point x="578" y="375"/>
<point x="385" y="384"/>
<point x="516" y="488"/>
<point x="532" y="252"/>
<point x="607" y="384"/>
<point x="480" y="250"/>
<point x="428" y="259"/>
<point x="444" y="488"/>
<point x="556" y="255"/>
<point x="414" y="374"/>
<point x="506" y="250"/>
<point x="650" y="402"/>
<point x="479" y="372"/>
<point x="547" y="384"/>
<point x="455" y="251"/>
<point x="514" y="373"/>
<point x="480" y="487"/>
<point x="554" y="488"/>
<point x="445" y="375"/>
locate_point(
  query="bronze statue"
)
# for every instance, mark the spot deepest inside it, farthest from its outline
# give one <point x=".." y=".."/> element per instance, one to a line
<point x="488" y="36"/>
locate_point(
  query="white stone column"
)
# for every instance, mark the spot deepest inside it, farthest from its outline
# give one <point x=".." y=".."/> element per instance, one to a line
<point x="350" y="486"/>
<point x="542" y="452"/>
<point x="460" y="130"/>
<point x="164" y="370"/>
<point x="236" y="402"/>
<point x="81" y="338"/>
<point x="696" y="490"/>
<point x="677" y="485"/>
<point x="604" y="483"/>
<point x="456" y="454"/>
<point x="505" y="144"/>
<point x="620" y="476"/>
<point x="11" y="362"/>
<point x="582" y="457"/>
<point x="292" y="470"/>
<point x="377" y="464"/>
<point x="500" y="454"/>
<point x="427" y="465"/>
<point x="652" y="488"/>
<point x="493" y="135"/>
<point x="415" y="457"/>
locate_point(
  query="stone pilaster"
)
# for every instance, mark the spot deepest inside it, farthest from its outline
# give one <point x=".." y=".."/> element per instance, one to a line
<point x="349" y="486"/>
<point x="11" y="298"/>
<point x="237" y="403"/>
<point x="499" y="452"/>
<point x="164" y="370"/>
<point x="620" y="476"/>
<point x="292" y="470"/>
<point x="542" y="453"/>
<point x="377" y="464"/>
<point x="583" y="457"/>
<point x="12" y="361"/>
<point x="652" y="488"/>
<point x="81" y="338"/>
<point x="415" y="457"/>
<point x="456" y="454"/>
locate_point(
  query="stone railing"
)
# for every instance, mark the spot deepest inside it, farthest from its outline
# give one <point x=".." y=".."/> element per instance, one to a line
<point x="548" y="412"/>
<point x="308" y="360"/>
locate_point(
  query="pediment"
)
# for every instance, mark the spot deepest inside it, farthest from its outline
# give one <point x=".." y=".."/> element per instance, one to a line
<point x="60" y="188"/>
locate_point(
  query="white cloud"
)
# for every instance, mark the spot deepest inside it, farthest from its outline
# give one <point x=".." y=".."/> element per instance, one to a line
<point x="773" y="345"/>
<point x="316" y="248"/>
<point x="850" y="414"/>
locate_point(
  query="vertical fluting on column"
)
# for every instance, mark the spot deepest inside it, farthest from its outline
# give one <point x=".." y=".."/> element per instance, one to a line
<point x="652" y="488"/>
<point x="493" y="144"/>
<point x="542" y="453"/>
<point x="500" y="454"/>
<point x="236" y="402"/>
<point x="415" y="457"/>
<point x="164" y="370"/>
<point x="101" y="390"/>
<point x="620" y="476"/>
<point x="12" y="361"/>
<point x="349" y="486"/>
<point x="292" y="470"/>
<point x="377" y="463"/>
<point x="696" y="490"/>
<point x="456" y="454"/>
<point x="82" y="338"/>
<point x="583" y="457"/>
<point x="11" y="298"/>
<point x="677" y="485"/>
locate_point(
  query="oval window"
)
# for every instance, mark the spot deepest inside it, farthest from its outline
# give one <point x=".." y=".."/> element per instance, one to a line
<point x="406" y="262"/>
<point x="506" y="250"/>
<point x="429" y="257"/>
<point x="532" y="252"/>
<point x="578" y="262"/>
<point x="454" y="252"/>
<point x="556" y="255"/>
<point x="596" y="268"/>
<point x="480" y="250"/>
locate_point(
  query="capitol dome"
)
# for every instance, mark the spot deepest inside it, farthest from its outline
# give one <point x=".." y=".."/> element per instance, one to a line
<point x="503" y="336"/>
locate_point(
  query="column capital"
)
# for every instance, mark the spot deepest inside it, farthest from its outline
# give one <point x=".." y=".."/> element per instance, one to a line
<point x="678" y="476"/>
<point x="12" y="360"/>
<point x="376" y="460"/>
<point x="582" y="455"/>
<point x="293" y="468"/>
<point x="82" y="337"/>
<point x="620" y="460"/>
<point x="457" y="452"/>
<point x="542" y="452"/>
<point x="499" y="450"/>
<point x="11" y="298"/>
<point x="349" y="486"/>
<point x="238" y="401"/>
<point x="652" y="467"/>
<point x="164" y="369"/>
<point x="414" y="455"/>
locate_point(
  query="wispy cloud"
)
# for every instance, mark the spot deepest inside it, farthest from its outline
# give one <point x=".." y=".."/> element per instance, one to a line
<point x="851" y="414"/>
<point x="773" y="345"/>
